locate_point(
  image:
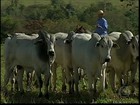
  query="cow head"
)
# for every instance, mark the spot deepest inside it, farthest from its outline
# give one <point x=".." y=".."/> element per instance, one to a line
<point x="132" y="44"/>
<point x="134" y="48"/>
<point x="80" y="29"/>
<point x="51" y="52"/>
<point x="105" y="45"/>
<point x="45" y="46"/>
<point x="68" y="40"/>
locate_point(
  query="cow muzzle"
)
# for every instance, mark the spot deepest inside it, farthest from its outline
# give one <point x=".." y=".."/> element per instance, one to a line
<point x="19" y="67"/>
<point x="51" y="53"/>
<point x="107" y="59"/>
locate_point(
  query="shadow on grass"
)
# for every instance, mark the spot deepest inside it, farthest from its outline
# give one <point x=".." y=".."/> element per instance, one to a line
<point x="32" y="97"/>
<point x="59" y="97"/>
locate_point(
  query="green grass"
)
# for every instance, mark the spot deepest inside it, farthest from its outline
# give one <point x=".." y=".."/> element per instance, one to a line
<point x="58" y="97"/>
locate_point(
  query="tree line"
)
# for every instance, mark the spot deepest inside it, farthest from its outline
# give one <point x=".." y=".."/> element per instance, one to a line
<point x="59" y="16"/>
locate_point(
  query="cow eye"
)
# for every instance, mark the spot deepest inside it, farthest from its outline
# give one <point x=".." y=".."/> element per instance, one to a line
<point x="102" y="46"/>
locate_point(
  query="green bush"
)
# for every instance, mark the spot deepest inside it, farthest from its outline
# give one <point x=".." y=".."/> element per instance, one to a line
<point x="35" y="12"/>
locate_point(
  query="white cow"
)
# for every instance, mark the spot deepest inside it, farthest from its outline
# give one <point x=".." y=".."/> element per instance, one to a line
<point x="63" y="58"/>
<point x="90" y="52"/>
<point x="34" y="52"/>
<point x="123" y="58"/>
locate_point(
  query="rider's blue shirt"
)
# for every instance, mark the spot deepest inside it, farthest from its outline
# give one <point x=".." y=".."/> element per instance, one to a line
<point x="103" y="23"/>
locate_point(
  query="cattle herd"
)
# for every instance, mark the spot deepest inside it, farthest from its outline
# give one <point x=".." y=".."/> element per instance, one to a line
<point x="115" y="54"/>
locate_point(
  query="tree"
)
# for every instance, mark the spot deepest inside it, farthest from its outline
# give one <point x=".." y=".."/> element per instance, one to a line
<point x="70" y="10"/>
<point x="14" y="2"/>
<point x="132" y="13"/>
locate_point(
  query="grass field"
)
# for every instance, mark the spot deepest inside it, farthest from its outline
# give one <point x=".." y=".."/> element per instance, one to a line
<point x="58" y="97"/>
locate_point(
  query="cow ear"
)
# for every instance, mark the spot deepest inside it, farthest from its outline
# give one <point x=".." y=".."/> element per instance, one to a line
<point x="38" y="41"/>
<point x="115" y="45"/>
<point x="9" y="35"/>
<point x="67" y="41"/>
<point x="97" y="44"/>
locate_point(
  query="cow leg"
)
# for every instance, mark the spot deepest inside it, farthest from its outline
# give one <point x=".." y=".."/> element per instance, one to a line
<point x="46" y="83"/>
<point x="51" y="83"/>
<point x="63" y="81"/>
<point x="7" y="76"/>
<point x="20" y="79"/>
<point x="35" y="82"/>
<point x="53" y="77"/>
<point x="12" y="81"/>
<point x="123" y="81"/>
<point x="107" y="77"/>
<point x="94" y="83"/>
<point x="106" y="83"/>
<point x="68" y="78"/>
<point x="39" y="80"/>
<point x="84" y="82"/>
<point x="103" y="80"/>
<point x="121" y="84"/>
<point x="72" y="79"/>
<point x="82" y="77"/>
<point x="134" y="69"/>
<point x="29" y="80"/>
<point x="90" y="84"/>
<point x="112" y="80"/>
<point x="16" y="82"/>
<point x="102" y="75"/>
<point x="76" y="79"/>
